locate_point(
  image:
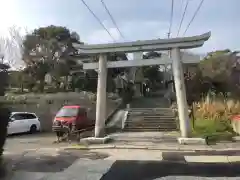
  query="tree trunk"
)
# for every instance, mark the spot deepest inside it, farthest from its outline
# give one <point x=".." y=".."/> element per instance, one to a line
<point x="22" y="87"/>
<point x="41" y="85"/>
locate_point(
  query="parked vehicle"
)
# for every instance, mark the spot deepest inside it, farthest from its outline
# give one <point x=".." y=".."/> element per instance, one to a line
<point x="21" y="122"/>
<point x="69" y="119"/>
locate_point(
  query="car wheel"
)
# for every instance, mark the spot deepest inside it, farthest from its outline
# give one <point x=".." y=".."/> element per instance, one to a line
<point x="33" y="129"/>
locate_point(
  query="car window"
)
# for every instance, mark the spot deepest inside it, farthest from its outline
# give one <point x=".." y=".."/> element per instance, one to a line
<point x="18" y="116"/>
<point x="23" y="116"/>
<point x="67" y="112"/>
<point x="30" y="116"/>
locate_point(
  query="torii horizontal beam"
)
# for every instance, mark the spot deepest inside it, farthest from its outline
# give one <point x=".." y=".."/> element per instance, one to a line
<point x="186" y="59"/>
<point x="148" y="45"/>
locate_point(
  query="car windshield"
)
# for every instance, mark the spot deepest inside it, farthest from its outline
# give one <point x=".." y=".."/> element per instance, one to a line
<point x="67" y="112"/>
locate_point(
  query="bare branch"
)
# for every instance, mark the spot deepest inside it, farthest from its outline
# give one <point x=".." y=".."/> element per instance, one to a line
<point x="11" y="47"/>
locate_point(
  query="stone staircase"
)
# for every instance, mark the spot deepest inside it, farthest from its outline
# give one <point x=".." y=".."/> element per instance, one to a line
<point x="150" y="119"/>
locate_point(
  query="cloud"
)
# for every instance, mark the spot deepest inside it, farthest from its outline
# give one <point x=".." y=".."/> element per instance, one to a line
<point x="101" y="36"/>
<point x="136" y="20"/>
<point x="132" y="31"/>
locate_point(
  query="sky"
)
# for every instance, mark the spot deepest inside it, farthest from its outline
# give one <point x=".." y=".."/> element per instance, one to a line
<point x="137" y="19"/>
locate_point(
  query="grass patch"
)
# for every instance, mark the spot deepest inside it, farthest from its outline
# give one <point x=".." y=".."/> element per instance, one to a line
<point x="213" y="130"/>
<point x="77" y="146"/>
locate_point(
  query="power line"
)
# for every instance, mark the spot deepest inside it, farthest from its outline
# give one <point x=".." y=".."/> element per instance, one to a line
<point x="183" y="16"/>
<point x="113" y="20"/>
<point x="171" y="19"/>
<point x="98" y="19"/>
<point x="195" y="14"/>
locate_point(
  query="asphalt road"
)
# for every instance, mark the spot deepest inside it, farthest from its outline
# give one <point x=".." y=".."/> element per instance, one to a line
<point x="149" y="170"/>
<point x="21" y="142"/>
<point x="56" y="161"/>
<point x="38" y="155"/>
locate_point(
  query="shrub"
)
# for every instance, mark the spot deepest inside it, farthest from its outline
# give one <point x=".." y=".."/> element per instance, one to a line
<point x="212" y="117"/>
<point x="217" y="108"/>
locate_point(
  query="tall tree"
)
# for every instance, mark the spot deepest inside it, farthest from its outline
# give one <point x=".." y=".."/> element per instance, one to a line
<point x="219" y="71"/>
<point x="46" y="50"/>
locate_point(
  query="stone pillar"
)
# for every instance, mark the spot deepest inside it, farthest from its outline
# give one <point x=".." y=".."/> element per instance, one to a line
<point x="180" y="92"/>
<point x="101" y="96"/>
<point x="138" y="77"/>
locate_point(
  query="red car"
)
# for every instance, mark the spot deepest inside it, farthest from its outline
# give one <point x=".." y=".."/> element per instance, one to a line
<point x="71" y="118"/>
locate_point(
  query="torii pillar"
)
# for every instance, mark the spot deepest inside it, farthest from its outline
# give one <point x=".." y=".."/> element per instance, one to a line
<point x="177" y="69"/>
<point x="174" y="45"/>
<point x="101" y="97"/>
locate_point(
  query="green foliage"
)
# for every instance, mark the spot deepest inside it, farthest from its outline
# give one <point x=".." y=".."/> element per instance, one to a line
<point x="213" y="130"/>
<point x="3" y="78"/>
<point x="47" y="50"/>
<point x="218" y="72"/>
<point x="216" y="66"/>
<point x="152" y="72"/>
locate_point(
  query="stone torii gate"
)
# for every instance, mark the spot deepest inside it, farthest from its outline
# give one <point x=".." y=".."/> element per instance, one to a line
<point x="174" y="45"/>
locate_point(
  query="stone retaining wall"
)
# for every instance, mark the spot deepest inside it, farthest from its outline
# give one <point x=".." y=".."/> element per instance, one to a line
<point x="47" y="105"/>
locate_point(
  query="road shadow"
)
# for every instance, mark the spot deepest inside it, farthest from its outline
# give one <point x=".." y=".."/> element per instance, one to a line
<point x="28" y="134"/>
<point x="146" y="170"/>
<point x="57" y="162"/>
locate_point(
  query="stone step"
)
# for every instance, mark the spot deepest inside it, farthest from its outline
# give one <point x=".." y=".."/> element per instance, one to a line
<point x="152" y="111"/>
<point x="151" y="108"/>
<point x="150" y="114"/>
<point x="150" y="125"/>
<point x="151" y="117"/>
<point x="151" y="128"/>
<point x="139" y="129"/>
<point x="152" y="121"/>
<point x="157" y="119"/>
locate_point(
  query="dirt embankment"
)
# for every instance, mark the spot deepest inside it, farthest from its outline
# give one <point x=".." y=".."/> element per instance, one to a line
<point x="46" y="105"/>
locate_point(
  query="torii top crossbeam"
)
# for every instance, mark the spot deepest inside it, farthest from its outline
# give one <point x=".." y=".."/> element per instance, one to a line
<point x="148" y="45"/>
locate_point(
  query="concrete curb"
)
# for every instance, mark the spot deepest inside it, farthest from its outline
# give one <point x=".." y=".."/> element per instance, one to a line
<point x="190" y="149"/>
<point x="179" y="156"/>
<point x="192" y="141"/>
<point x="236" y="138"/>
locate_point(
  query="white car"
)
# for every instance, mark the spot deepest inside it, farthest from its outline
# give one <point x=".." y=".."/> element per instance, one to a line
<point x="21" y="122"/>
